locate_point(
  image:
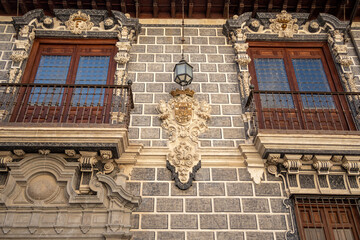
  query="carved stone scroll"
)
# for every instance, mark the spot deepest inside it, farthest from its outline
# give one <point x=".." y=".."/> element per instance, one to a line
<point x="184" y="118"/>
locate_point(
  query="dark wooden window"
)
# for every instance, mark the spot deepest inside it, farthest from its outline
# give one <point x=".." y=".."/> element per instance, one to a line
<point x="58" y="66"/>
<point x="327" y="218"/>
<point x="298" y="83"/>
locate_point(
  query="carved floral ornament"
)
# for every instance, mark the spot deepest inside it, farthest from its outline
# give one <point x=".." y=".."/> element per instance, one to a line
<point x="184" y="118"/>
<point x="284" y="25"/>
<point x="79" y="22"/>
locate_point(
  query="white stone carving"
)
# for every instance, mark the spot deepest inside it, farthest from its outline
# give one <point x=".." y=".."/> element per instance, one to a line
<point x="122" y="57"/>
<point x="44" y="151"/>
<point x="19" y="152"/>
<point x="292" y="163"/>
<point x="352" y="165"/>
<point x="19" y="56"/>
<point x="109" y="167"/>
<point x="272" y="162"/>
<point x="70" y="152"/>
<point x="322" y="164"/>
<point x="184" y="118"/>
<point x="79" y="22"/>
<point x="284" y="25"/>
<point x="340" y="48"/>
<point x="22" y="44"/>
<point x="123" y="46"/>
<point x="243" y="59"/>
<point x="344" y="61"/>
<point x="241" y="47"/>
<point x="106" y="154"/>
<point x="117" y="117"/>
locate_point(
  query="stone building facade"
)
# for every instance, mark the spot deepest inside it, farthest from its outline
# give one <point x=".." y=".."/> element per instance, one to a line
<point x="121" y="179"/>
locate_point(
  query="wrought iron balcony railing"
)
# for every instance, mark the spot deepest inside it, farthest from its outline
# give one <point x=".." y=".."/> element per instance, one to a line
<point x="295" y="110"/>
<point x="65" y="103"/>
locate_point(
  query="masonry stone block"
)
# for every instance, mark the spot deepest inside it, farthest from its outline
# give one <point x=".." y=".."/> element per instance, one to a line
<point x="208" y="49"/>
<point x="177" y="40"/>
<point x="217" y="40"/>
<point x="147" y="205"/>
<point x="215" y="58"/>
<point x="134" y="220"/>
<point x="172" y="49"/>
<point x="146" y="57"/>
<point x="154" y="49"/>
<point x="207" y="32"/>
<point x="237" y="121"/>
<point x="6" y="55"/>
<point x="211" y="189"/>
<point x="140" y="120"/>
<point x="199" y="40"/>
<point x="163" y="77"/>
<point x="154" y="87"/>
<point x="259" y="235"/>
<point x="227" y="205"/>
<point x="133" y="133"/>
<point x="150" y="133"/>
<point x="10" y="29"/>
<point x="205" y="143"/>
<point x="198" y="58"/>
<point x="244" y="174"/>
<point x="156" y="121"/>
<point x="272" y="222"/>
<point x="229" y="88"/>
<point x="235" y="98"/>
<point x="159" y="143"/>
<point x="150" y="109"/>
<point x="137" y="48"/>
<point x="192" y="191"/>
<point x="191" y="32"/>
<point x="216" y="121"/>
<point x="217" y="77"/>
<point x="277" y="205"/>
<point x="243" y="221"/>
<point x="137" y="235"/>
<point x="163" y="58"/>
<point x="169" y="205"/>
<point x="203" y="97"/>
<point x="225" y="49"/>
<point x="255" y="205"/>
<point x="191" y="49"/>
<point x="2" y="28"/>
<point x="227" y="67"/>
<point x="163" y="174"/>
<point x="239" y="189"/>
<point x="233" y="133"/>
<point x="171" y="235"/>
<point x="209" y="87"/>
<point x="6" y="37"/>
<point x="162" y="96"/>
<point x="138" y="109"/>
<point x="143" y="98"/>
<point x="2" y="64"/>
<point x="200" y="235"/>
<point x="213" y="133"/>
<point x="203" y="174"/>
<point x="146" y="40"/>
<point x="155" y="31"/>
<point x="136" y="67"/>
<point x="198" y="205"/>
<point x="172" y="32"/>
<point x="154" y="221"/>
<point x="230" y="235"/>
<point x="229" y="58"/>
<point x="138" y="87"/>
<point x="231" y="109"/>
<point x="213" y="221"/>
<point x="223" y="143"/>
<point x="267" y="189"/>
<point x="143" y="174"/>
<point x="219" y="98"/>
<point x="145" y="77"/>
<point x="224" y="174"/>
<point x="133" y="188"/>
<point x="183" y="221"/>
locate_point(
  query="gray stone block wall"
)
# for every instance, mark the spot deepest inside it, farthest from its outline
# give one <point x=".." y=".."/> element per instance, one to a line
<point x="215" y="81"/>
<point x="7" y="37"/>
<point x="223" y="203"/>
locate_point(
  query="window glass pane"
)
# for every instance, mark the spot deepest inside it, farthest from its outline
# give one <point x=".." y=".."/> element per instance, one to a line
<point x="91" y="70"/>
<point x="51" y="70"/>
<point x="271" y="75"/>
<point x="314" y="233"/>
<point x="310" y="76"/>
<point x="341" y="234"/>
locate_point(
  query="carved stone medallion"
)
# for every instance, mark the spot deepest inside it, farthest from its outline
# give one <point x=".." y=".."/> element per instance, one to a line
<point x="79" y="22"/>
<point x="184" y="118"/>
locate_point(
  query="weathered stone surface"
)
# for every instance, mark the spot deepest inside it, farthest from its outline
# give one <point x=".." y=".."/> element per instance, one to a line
<point x="255" y="205"/>
<point x="223" y="143"/>
<point x="137" y="67"/>
<point x="171" y="235"/>
<point x="154" y="87"/>
<point x="208" y="49"/>
<point x="184" y="221"/>
<point x="212" y="133"/>
<point x="155" y="67"/>
<point x="203" y="174"/>
<point x="134" y="219"/>
<point x="230" y="236"/>
<point x="213" y="221"/>
<point x="239" y="189"/>
<point x="277" y="205"/>
<point x="200" y="235"/>
<point x="259" y="235"/>
<point x="242" y="221"/>
<point x="154" y="49"/>
<point x="272" y="222"/>
<point x="164" y="40"/>
<point x="172" y="49"/>
<point x="207" y="67"/>
<point x="146" y="40"/>
<point x="267" y="189"/>
<point x="215" y="58"/>
<point x="192" y="191"/>
<point x="244" y="174"/>
<point x="140" y="120"/>
<point x="133" y="188"/>
<point x="146" y="57"/>
<point x="211" y="189"/>
<point x="155" y="31"/>
<point x="207" y="32"/>
<point x="154" y="221"/>
<point x="217" y="77"/>
<point x="231" y="110"/>
<point x="147" y="205"/>
<point x="216" y="121"/>
<point x="217" y="40"/>
<point x="169" y="205"/>
<point x="227" y="205"/>
<point x="150" y="133"/>
<point x="198" y="205"/>
<point x="209" y="87"/>
<point x="143" y="235"/>
<point x="233" y="133"/>
<point x="224" y="174"/>
<point x="219" y="98"/>
<point x="163" y="174"/>
<point x="199" y="40"/>
<point x="155" y="189"/>
<point x="172" y="31"/>
<point x="198" y="58"/>
<point x="163" y="58"/>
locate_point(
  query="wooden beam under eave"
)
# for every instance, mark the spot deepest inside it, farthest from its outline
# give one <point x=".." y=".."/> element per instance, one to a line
<point x="36" y="3"/>
<point x="137" y="8"/>
<point x="93" y="4"/>
<point x="226" y="9"/>
<point x="313" y="7"/>
<point x="173" y="10"/>
<point x="208" y="9"/>
<point x="23" y="7"/>
<point x="298" y="6"/>
<point x="65" y="4"/>
<point x="340" y="9"/>
<point x="51" y="5"/>
<point x="270" y="5"/>
<point x="123" y="6"/>
<point x="6" y="6"/>
<point x="191" y="8"/>
<point x="155" y="9"/>
<point x="285" y="5"/>
<point x="79" y="4"/>
<point x="256" y="6"/>
<point x="327" y="6"/>
<point x="241" y="7"/>
<point x="108" y="5"/>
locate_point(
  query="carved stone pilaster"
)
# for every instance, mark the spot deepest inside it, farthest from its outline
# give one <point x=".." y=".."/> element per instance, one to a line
<point x="351" y="164"/>
<point x="322" y="164"/>
<point x="184" y="118"/>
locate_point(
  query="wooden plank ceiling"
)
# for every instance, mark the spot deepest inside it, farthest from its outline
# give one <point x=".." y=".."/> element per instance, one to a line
<point x="193" y="8"/>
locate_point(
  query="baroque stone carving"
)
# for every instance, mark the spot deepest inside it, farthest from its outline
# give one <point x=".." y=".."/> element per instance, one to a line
<point x="352" y="165"/>
<point x="19" y="56"/>
<point x="184" y="118"/>
<point x="272" y="162"/>
<point x="284" y="25"/>
<point x="79" y="22"/>
<point x="322" y="164"/>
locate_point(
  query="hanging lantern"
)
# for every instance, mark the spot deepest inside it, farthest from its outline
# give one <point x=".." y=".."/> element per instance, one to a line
<point x="183" y="73"/>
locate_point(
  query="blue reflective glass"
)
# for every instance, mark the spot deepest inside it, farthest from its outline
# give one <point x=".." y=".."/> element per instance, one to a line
<point x="51" y="70"/>
<point x="310" y="76"/>
<point x="271" y="75"/>
<point x="91" y="70"/>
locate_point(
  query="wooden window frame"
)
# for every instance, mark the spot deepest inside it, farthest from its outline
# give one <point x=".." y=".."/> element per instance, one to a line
<point x="100" y="47"/>
<point x="329" y="68"/>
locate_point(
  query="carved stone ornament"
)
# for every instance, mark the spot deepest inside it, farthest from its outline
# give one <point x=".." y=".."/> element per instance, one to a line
<point x="344" y="61"/>
<point x="243" y="59"/>
<point x="322" y="164"/>
<point x="122" y="57"/>
<point x="19" y="56"/>
<point x="272" y="162"/>
<point x="79" y="22"/>
<point x="184" y="118"/>
<point x="284" y="25"/>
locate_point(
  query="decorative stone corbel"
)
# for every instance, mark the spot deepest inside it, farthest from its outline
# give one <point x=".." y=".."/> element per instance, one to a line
<point x="292" y="163"/>
<point x="351" y="164"/>
<point x="70" y="152"/>
<point x="19" y="152"/>
<point x="272" y="163"/>
<point x="284" y="25"/>
<point x="322" y="164"/>
<point x="184" y="118"/>
<point x="19" y="56"/>
<point x="5" y="157"/>
<point x="87" y="162"/>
